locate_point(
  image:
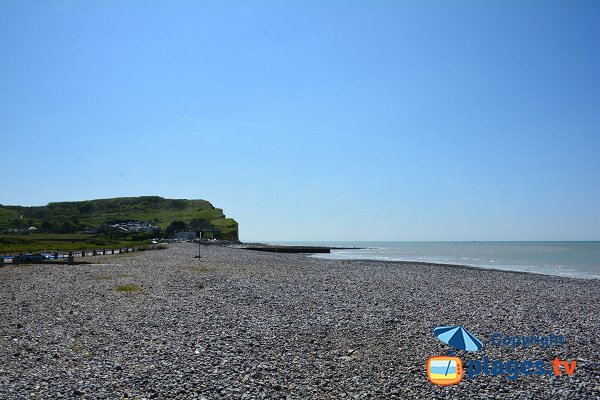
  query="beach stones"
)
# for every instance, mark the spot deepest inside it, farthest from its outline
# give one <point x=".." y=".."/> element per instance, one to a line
<point x="269" y="325"/>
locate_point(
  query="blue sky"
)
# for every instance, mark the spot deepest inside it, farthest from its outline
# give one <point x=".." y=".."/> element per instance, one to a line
<point x="312" y="120"/>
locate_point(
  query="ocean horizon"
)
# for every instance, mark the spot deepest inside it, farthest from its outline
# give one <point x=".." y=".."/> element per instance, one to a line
<point x="579" y="259"/>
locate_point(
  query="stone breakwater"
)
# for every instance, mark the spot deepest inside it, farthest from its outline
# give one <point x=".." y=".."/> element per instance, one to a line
<point x="238" y="324"/>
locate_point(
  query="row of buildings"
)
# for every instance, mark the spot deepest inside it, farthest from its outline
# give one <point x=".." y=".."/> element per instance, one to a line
<point x="125" y="227"/>
<point x="21" y="231"/>
<point x="134" y="227"/>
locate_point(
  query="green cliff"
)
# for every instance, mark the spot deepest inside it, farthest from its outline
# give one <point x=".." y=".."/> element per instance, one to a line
<point x="98" y="215"/>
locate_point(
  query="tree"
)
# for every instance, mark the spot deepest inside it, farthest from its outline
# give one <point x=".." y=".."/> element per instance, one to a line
<point x="46" y="226"/>
<point x="68" y="227"/>
<point x="176" y="226"/>
<point x="197" y="223"/>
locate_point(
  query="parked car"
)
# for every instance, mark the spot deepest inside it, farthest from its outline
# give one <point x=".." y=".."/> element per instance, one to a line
<point x="28" y="257"/>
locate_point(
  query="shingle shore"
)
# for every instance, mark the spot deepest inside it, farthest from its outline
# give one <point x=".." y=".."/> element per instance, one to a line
<point x="244" y="324"/>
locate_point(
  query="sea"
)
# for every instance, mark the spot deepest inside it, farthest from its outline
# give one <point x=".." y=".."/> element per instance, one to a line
<point x="574" y="259"/>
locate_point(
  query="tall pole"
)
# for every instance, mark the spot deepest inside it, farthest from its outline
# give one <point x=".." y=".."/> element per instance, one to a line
<point x="199" y="245"/>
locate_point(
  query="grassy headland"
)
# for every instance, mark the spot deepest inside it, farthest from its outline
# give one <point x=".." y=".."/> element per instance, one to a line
<point x="61" y="226"/>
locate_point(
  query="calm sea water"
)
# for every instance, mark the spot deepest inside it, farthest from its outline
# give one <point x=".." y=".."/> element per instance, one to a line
<point x="579" y="259"/>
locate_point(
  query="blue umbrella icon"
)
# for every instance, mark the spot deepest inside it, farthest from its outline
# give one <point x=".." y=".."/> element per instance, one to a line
<point x="458" y="337"/>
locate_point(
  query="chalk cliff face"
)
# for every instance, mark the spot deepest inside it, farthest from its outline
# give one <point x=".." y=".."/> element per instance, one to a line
<point x="66" y="217"/>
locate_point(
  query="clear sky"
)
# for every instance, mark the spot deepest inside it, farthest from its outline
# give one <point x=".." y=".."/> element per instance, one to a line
<point x="312" y="120"/>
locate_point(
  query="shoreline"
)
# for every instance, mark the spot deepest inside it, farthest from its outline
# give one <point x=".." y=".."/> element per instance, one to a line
<point x="277" y="248"/>
<point x="457" y="266"/>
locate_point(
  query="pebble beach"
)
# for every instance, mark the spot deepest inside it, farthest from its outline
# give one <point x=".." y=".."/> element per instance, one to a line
<point x="239" y="324"/>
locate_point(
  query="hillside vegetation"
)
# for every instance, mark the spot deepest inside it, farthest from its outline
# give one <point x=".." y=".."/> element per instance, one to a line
<point x="75" y="216"/>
